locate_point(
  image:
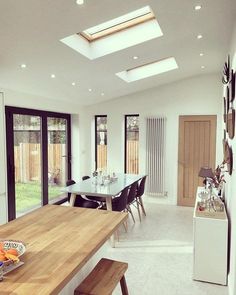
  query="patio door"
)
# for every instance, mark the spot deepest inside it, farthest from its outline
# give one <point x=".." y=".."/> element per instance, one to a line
<point x="38" y="158"/>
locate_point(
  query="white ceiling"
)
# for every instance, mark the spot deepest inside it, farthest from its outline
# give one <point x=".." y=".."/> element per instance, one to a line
<point x="30" y="31"/>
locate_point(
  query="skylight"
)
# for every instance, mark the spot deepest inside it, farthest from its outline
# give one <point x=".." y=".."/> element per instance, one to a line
<point x="148" y="70"/>
<point x="122" y="32"/>
<point x="118" y="24"/>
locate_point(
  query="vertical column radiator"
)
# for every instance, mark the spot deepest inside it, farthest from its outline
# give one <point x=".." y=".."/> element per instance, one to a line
<point x="155" y="156"/>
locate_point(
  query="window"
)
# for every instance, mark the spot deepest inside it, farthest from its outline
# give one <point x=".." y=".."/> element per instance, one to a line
<point x="100" y="142"/>
<point x="118" y="24"/>
<point x="38" y="152"/>
<point x="132" y="144"/>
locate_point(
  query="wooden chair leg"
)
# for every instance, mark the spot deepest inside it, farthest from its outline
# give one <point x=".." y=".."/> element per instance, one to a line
<point x="132" y="215"/>
<point x="139" y="214"/>
<point x="141" y="203"/>
<point x="123" y="286"/>
<point x="125" y="226"/>
<point x="117" y="234"/>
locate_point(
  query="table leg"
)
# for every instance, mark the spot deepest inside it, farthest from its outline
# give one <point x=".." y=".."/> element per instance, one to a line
<point x="72" y="200"/>
<point x="109" y="207"/>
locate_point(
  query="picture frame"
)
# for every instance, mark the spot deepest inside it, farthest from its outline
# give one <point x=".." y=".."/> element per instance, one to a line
<point x="232" y="86"/>
<point x="225" y="114"/>
<point x="231" y="123"/>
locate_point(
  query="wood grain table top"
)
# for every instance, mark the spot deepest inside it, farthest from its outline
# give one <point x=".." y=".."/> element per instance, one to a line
<point x="59" y="241"/>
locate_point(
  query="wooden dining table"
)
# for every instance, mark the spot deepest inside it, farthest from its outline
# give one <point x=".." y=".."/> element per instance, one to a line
<point x="108" y="190"/>
<point x="59" y="242"/>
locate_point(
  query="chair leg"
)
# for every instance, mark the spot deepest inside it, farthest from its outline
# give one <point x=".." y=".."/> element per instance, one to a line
<point x="117" y="234"/>
<point x="141" y="203"/>
<point x="123" y="286"/>
<point x="125" y="226"/>
<point x="130" y="211"/>
<point x="139" y="214"/>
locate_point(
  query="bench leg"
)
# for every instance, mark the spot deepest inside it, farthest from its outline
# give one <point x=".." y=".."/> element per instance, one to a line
<point x="123" y="286"/>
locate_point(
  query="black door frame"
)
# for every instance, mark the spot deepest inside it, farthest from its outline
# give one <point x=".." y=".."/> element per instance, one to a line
<point x="10" y="111"/>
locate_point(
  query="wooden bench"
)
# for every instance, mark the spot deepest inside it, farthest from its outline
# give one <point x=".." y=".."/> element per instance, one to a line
<point x="103" y="279"/>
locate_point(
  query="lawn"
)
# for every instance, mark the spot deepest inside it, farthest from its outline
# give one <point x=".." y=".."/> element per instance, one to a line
<point x="28" y="195"/>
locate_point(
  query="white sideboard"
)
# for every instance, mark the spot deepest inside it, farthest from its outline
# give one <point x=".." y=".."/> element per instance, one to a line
<point x="210" y="234"/>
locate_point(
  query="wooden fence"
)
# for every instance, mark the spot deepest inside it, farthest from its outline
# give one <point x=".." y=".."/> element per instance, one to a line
<point x="28" y="162"/>
<point x="132" y="165"/>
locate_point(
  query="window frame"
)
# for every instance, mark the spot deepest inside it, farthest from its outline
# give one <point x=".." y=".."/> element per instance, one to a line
<point x="96" y="125"/>
<point x="125" y="140"/>
<point x="9" y="113"/>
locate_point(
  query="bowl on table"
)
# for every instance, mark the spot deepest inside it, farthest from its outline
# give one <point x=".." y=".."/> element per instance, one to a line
<point x="6" y="245"/>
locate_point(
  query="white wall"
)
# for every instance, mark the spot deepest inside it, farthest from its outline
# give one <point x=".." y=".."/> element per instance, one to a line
<point x="230" y="192"/>
<point x="193" y="96"/>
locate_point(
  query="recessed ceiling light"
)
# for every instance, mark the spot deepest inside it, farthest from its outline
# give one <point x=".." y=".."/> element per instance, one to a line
<point x="80" y="2"/>
<point x="102" y="94"/>
<point x="23" y="66"/>
<point x="73" y="83"/>
<point x="197" y="7"/>
<point x="199" y="36"/>
<point x="202" y="67"/>
<point x="201" y="54"/>
<point x="53" y="76"/>
<point x="135" y="57"/>
<point x="89" y="89"/>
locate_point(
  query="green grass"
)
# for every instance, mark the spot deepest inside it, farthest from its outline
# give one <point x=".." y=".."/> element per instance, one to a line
<point x="28" y="195"/>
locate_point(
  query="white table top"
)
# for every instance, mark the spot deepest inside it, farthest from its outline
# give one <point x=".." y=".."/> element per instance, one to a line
<point x="89" y="188"/>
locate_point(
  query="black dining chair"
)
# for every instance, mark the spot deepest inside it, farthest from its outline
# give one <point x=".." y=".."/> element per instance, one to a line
<point x="94" y="198"/>
<point x="132" y="199"/>
<point x="119" y="204"/>
<point x="139" y="194"/>
<point x="80" y="201"/>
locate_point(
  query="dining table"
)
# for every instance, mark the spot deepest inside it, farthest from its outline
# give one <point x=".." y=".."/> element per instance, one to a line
<point x="59" y="241"/>
<point x="109" y="189"/>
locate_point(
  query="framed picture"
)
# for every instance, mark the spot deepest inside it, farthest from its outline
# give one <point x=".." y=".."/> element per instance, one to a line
<point x="229" y="158"/>
<point x="227" y="99"/>
<point x="231" y="123"/>
<point x="225" y="114"/>
<point x="232" y="86"/>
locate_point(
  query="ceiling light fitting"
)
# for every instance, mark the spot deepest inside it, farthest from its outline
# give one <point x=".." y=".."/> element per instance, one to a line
<point x="197" y="7"/>
<point x="23" y="66"/>
<point x="199" y="36"/>
<point x="201" y="54"/>
<point x="80" y="2"/>
<point x="53" y="76"/>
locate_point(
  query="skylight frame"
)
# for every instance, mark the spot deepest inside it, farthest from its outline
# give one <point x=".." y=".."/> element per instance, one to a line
<point x="145" y="16"/>
<point x="148" y="70"/>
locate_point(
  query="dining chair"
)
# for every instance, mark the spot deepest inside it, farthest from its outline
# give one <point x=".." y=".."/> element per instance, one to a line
<point x="139" y="194"/>
<point x="80" y="201"/>
<point x="101" y="200"/>
<point x="132" y="200"/>
<point x="119" y="204"/>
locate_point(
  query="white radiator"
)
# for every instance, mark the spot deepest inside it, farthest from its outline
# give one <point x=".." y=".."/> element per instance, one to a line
<point x="155" y="156"/>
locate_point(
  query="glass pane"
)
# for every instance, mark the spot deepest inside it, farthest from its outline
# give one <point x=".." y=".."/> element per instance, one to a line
<point x="101" y="148"/>
<point x="27" y="158"/>
<point x="132" y="144"/>
<point x="57" y="157"/>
